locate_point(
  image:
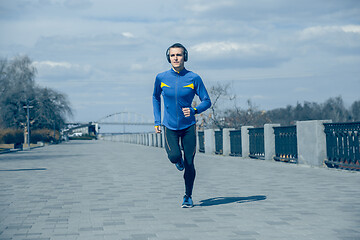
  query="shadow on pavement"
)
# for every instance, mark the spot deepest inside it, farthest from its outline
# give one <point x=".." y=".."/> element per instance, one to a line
<point x="22" y="169"/>
<point x="20" y="156"/>
<point x="227" y="200"/>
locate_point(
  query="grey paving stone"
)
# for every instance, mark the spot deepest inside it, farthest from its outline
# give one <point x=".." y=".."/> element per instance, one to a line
<point x="91" y="190"/>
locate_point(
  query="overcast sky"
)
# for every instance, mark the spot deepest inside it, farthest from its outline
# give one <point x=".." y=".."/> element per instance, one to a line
<point x="104" y="54"/>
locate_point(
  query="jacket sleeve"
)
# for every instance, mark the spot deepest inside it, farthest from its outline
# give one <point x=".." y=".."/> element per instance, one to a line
<point x="157" y="102"/>
<point x="203" y="95"/>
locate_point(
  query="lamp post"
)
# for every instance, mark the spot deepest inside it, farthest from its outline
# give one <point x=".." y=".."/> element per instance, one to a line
<point x="54" y="124"/>
<point x="28" y="121"/>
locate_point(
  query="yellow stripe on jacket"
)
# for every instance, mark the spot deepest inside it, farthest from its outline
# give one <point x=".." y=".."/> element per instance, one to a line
<point x="163" y="85"/>
<point x="190" y="86"/>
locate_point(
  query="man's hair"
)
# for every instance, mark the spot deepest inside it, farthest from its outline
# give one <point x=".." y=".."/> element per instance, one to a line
<point x="177" y="45"/>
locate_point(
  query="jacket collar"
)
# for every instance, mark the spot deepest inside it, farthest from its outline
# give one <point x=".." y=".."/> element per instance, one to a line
<point x="181" y="73"/>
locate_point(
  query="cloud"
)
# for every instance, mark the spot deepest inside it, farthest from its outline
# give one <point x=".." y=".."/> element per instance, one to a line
<point x="199" y="7"/>
<point x="258" y="97"/>
<point x="23" y="9"/>
<point x="351" y="29"/>
<point x="269" y="12"/>
<point x="221" y="48"/>
<point x="302" y="89"/>
<point x="136" y="67"/>
<point x="335" y="40"/>
<point x="128" y="35"/>
<point x="78" y="4"/>
<point x="61" y="70"/>
<point x="52" y="64"/>
<point x="105" y="50"/>
<point x="317" y="31"/>
<point x="226" y="54"/>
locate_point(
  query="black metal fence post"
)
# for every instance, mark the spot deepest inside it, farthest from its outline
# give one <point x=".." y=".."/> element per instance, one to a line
<point x="343" y="145"/>
<point x="201" y="141"/>
<point x="286" y="144"/>
<point x="256" y="143"/>
<point x="218" y="142"/>
<point x="235" y="143"/>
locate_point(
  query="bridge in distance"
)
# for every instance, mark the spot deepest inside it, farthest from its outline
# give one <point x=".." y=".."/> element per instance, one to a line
<point x="130" y="122"/>
<point x="126" y="118"/>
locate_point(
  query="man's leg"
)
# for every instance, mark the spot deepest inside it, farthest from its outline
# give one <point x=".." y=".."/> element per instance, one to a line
<point x="188" y="139"/>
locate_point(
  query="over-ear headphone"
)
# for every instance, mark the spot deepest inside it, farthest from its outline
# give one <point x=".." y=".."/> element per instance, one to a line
<point x="176" y="45"/>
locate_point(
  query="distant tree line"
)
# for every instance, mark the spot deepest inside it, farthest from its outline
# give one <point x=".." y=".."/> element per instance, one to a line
<point x="18" y="89"/>
<point x="225" y="113"/>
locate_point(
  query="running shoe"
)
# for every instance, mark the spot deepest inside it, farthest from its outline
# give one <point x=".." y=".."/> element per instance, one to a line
<point x="187" y="203"/>
<point x="180" y="165"/>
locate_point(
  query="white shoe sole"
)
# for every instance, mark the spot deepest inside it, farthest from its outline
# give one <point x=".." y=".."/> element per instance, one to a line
<point x="187" y="206"/>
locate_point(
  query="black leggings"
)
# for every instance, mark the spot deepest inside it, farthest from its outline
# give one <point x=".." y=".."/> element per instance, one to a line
<point x="187" y="137"/>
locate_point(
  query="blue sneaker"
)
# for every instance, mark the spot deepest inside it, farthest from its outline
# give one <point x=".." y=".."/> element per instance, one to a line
<point x="187" y="203"/>
<point x="180" y="165"/>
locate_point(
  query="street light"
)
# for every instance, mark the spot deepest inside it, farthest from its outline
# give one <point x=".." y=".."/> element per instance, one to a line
<point x="28" y="121"/>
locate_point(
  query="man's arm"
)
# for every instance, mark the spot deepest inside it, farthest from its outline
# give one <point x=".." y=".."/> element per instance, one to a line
<point x="157" y="105"/>
<point x="203" y="95"/>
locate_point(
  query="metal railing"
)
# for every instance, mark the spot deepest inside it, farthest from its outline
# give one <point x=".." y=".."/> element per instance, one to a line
<point x="343" y="144"/>
<point x="219" y="142"/>
<point x="201" y="141"/>
<point x="152" y="140"/>
<point x="256" y="143"/>
<point x="286" y="144"/>
<point x="235" y="143"/>
<point x="147" y="139"/>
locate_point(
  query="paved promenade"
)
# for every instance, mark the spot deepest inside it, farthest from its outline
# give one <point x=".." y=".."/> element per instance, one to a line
<point x="105" y="190"/>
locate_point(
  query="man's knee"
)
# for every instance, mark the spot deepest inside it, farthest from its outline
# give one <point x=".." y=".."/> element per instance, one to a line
<point x="174" y="157"/>
<point x="189" y="165"/>
<point x="190" y="172"/>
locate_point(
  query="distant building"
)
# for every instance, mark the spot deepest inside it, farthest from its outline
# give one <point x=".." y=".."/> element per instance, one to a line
<point x="90" y="129"/>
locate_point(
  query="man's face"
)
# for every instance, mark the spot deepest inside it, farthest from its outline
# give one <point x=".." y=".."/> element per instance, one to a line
<point x="177" y="58"/>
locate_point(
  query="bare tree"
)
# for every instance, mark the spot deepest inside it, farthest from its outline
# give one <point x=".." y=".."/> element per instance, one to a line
<point x="355" y="111"/>
<point x="226" y="113"/>
<point x="237" y="117"/>
<point x="50" y="108"/>
<point x="3" y="85"/>
<point x="18" y="88"/>
<point x="218" y="94"/>
<point x="335" y="110"/>
<point x="17" y="85"/>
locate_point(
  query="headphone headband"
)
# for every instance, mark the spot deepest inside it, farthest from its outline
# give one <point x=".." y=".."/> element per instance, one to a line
<point x="176" y="45"/>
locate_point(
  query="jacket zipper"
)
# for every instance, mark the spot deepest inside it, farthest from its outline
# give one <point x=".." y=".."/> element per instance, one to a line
<point x="176" y="101"/>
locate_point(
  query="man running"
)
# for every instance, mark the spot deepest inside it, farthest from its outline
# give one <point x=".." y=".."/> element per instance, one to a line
<point x="178" y="87"/>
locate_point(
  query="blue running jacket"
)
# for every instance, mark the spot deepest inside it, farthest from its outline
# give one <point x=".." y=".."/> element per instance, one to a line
<point x="178" y="91"/>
